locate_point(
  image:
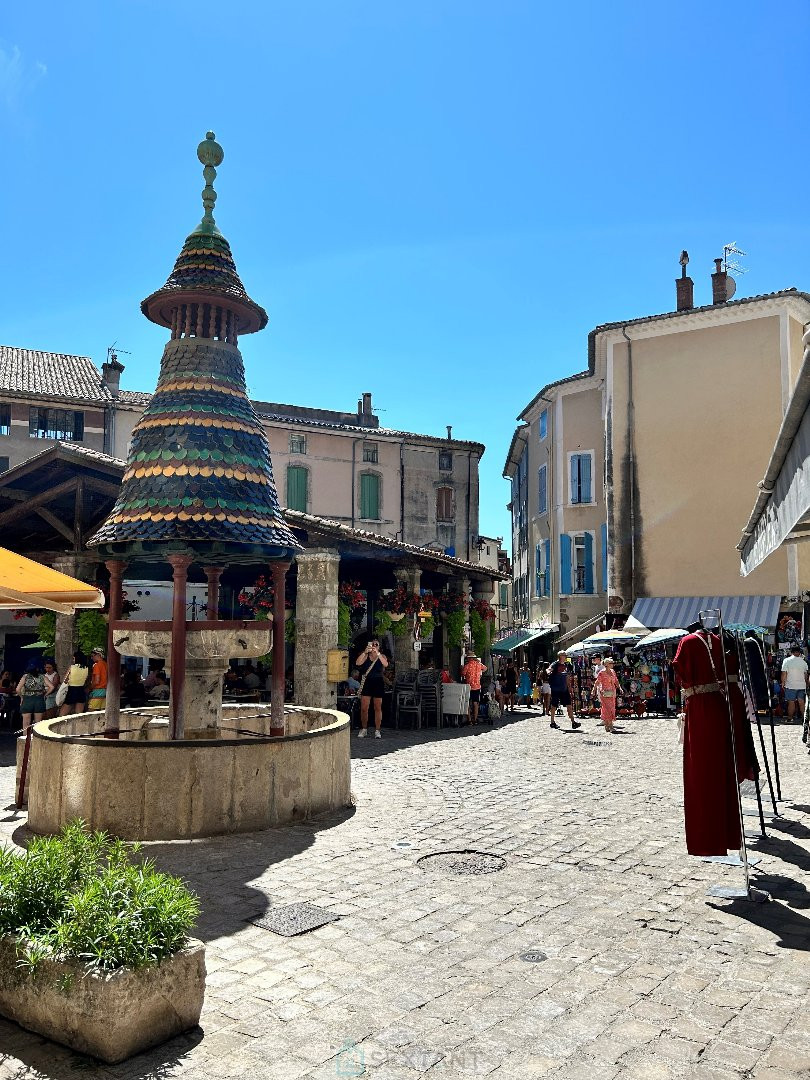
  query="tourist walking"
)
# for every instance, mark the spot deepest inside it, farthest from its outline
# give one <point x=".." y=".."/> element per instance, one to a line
<point x="794" y="681"/>
<point x="509" y="685"/>
<point x="471" y="672"/>
<point x="607" y="687"/>
<point x="31" y="689"/>
<point x="52" y="680"/>
<point x="525" y="686"/>
<point x="372" y="664"/>
<point x="561" y="682"/>
<point x="76" y="677"/>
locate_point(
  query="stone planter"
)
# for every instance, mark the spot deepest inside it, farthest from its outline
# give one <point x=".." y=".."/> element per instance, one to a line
<point x="110" y="1016"/>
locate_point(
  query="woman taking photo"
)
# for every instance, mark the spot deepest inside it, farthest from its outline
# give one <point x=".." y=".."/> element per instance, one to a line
<point x="76" y="678"/>
<point x="31" y="689"/>
<point x="372" y="664"/>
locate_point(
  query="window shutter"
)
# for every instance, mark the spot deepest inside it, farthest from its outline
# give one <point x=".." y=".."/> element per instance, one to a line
<point x="503" y="594"/>
<point x="585" y="478"/>
<point x="574" y="478"/>
<point x="538" y="588"/>
<point x="297" y="488"/>
<point x="541" y="490"/>
<point x="603" y="540"/>
<point x="588" y="563"/>
<point x="547" y="545"/>
<point x="565" y="564"/>
<point x="370" y="496"/>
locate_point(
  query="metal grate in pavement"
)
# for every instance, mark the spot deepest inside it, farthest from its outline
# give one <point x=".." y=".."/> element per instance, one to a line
<point x="293" y="919"/>
<point x="534" y="956"/>
<point x="469" y="863"/>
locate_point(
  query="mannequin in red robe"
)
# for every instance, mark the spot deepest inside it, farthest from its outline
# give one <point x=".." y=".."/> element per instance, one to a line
<point x="711" y="810"/>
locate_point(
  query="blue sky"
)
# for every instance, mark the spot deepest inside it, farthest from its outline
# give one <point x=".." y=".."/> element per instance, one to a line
<point x="434" y="200"/>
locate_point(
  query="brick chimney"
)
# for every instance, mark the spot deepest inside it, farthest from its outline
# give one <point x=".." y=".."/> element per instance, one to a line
<point x="720" y="289"/>
<point x="684" y="286"/>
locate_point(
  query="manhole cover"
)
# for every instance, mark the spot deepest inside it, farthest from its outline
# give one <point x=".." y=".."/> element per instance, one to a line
<point x="294" y="919"/>
<point x="533" y="956"/>
<point x="471" y="863"/>
<point x="597" y="742"/>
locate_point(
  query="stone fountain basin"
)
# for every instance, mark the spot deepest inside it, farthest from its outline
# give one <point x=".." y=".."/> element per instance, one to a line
<point x="204" y="640"/>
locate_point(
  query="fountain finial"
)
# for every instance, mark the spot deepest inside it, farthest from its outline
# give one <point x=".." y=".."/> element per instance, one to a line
<point x="210" y="154"/>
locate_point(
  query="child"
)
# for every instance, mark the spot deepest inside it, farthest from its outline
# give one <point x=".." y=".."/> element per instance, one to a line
<point x="545" y="696"/>
<point x="535" y="694"/>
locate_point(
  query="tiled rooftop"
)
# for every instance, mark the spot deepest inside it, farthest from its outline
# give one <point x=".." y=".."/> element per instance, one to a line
<point x="31" y="371"/>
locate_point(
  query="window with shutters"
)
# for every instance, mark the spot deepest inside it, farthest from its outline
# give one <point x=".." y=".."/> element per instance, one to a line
<point x="542" y="424"/>
<point x="444" y="504"/>
<point x="370" y="452"/>
<point x="503" y="592"/>
<point x="5" y="419"/>
<point x="539" y="571"/>
<point x="56" y="424"/>
<point x="581" y="473"/>
<point x="542" y="493"/>
<point x="445" y="460"/>
<point x="582" y="563"/>
<point x="298" y="443"/>
<point x="297" y="477"/>
<point x="370" y="496"/>
<point x="3" y="464"/>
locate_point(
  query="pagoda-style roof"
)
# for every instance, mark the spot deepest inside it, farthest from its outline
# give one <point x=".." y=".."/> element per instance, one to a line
<point x="199" y="477"/>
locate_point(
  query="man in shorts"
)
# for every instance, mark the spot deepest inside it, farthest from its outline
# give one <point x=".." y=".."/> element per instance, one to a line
<point x="561" y="681"/>
<point x="794" y="681"/>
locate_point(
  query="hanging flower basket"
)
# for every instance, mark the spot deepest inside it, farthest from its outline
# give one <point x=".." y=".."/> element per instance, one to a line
<point x="400" y="602"/>
<point x="258" y="600"/>
<point x="450" y="603"/>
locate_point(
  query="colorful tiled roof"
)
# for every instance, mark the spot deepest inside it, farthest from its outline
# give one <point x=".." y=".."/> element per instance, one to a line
<point x="48" y="374"/>
<point x="198" y="471"/>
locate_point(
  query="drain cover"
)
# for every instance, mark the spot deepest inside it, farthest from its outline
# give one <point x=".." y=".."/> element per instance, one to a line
<point x="597" y="742"/>
<point x="533" y="956"/>
<point x="294" y="919"/>
<point x="471" y="863"/>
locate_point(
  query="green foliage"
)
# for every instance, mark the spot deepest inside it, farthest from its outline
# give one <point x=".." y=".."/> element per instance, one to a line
<point x="78" y="896"/>
<point x="91" y="627"/>
<point x="455" y="622"/>
<point x="289" y="630"/>
<point x="46" y="629"/>
<point x="403" y="627"/>
<point x="480" y="630"/>
<point x="382" y="622"/>
<point x="344" y="624"/>
<point x="428" y="626"/>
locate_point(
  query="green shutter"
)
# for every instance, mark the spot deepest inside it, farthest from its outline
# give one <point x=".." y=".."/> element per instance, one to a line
<point x="297" y="488"/>
<point x="370" y="496"/>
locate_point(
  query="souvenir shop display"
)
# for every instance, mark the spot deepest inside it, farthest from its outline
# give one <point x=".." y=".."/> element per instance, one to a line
<point x="718" y="747"/>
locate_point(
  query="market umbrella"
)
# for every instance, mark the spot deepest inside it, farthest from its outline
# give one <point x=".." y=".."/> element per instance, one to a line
<point x="611" y="637"/>
<point x="633" y="626"/>
<point x="28" y="584"/>
<point x="582" y="648"/>
<point x="659" y="637"/>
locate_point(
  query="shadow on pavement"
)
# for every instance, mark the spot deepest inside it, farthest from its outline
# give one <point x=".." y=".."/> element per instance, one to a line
<point x="791" y="928"/>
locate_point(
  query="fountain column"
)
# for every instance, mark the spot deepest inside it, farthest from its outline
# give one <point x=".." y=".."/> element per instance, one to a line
<point x="113" y="705"/>
<point x="278" y="571"/>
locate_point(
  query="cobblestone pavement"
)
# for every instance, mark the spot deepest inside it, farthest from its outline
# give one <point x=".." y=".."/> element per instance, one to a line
<point x="643" y="976"/>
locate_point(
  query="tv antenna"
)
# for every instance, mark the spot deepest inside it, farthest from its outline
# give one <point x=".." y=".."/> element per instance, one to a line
<point x="113" y="351"/>
<point x="731" y="265"/>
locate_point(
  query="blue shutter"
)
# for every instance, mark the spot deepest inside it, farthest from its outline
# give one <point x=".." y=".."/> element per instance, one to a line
<point x="538" y="591"/>
<point x="547" y="545"/>
<point x="603" y="540"/>
<point x="541" y="490"/>
<point x="588" y="563"/>
<point x="585" y="477"/>
<point x="565" y="564"/>
<point x="575" y="496"/>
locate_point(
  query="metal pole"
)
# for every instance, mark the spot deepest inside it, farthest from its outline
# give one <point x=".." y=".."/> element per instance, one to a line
<point x="279" y="574"/>
<point x="113" y="702"/>
<point x="179" y="565"/>
<point x="745" y="669"/>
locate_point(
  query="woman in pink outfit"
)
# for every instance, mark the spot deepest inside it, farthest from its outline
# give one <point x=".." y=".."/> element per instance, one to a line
<point x="607" y="686"/>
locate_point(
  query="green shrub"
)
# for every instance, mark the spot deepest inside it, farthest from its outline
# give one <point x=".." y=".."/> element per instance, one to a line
<point x="78" y="896"/>
<point x="91" y="628"/>
<point x="455" y="623"/>
<point x="344" y="624"/>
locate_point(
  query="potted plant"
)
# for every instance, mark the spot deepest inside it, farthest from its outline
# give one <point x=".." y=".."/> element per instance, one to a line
<point x="351" y="610"/>
<point x="453" y="610"/>
<point x="94" y="945"/>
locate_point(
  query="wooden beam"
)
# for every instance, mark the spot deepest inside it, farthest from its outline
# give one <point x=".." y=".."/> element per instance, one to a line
<point x="102" y="486"/>
<point x="14" y="513"/>
<point x="54" y="522"/>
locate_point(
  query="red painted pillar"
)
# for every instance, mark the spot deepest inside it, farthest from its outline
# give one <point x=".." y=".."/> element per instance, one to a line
<point x="213" y="574"/>
<point x="179" y="565"/>
<point x="279" y="574"/>
<point x="113" y="704"/>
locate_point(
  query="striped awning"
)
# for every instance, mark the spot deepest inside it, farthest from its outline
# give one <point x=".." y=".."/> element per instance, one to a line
<point x="680" y="611"/>
<point x="521" y="637"/>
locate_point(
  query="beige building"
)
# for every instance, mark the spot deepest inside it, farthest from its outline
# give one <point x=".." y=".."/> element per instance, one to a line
<point x="677" y="414"/>
<point x="420" y="489"/>
<point x="556" y="468"/>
